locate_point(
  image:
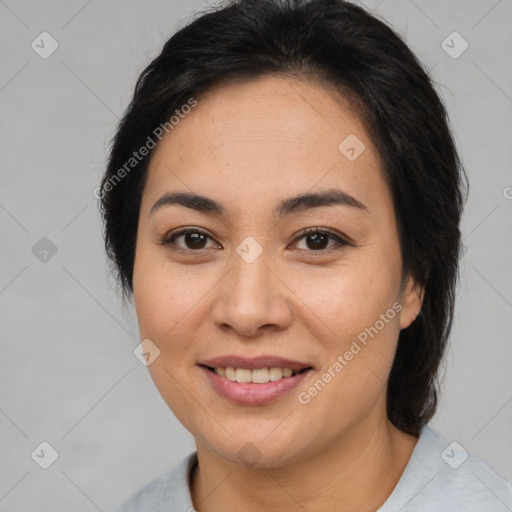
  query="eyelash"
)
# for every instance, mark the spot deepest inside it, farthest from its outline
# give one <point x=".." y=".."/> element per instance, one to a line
<point x="169" y="240"/>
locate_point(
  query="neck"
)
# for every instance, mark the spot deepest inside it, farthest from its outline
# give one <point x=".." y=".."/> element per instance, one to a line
<point x="356" y="473"/>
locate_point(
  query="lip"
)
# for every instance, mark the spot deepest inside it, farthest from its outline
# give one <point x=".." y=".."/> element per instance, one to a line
<point x="252" y="363"/>
<point x="249" y="393"/>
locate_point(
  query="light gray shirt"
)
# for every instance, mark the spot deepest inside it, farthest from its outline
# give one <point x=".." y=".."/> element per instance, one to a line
<point x="439" y="477"/>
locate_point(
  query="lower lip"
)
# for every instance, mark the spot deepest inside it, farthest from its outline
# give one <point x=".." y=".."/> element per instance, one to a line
<point x="249" y="393"/>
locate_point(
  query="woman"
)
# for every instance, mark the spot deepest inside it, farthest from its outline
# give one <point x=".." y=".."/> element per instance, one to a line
<point x="283" y="200"/>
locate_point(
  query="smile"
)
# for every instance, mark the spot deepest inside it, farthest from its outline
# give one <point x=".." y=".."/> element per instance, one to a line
<point x="256" y="376"/>
<point x="255" y="387"/>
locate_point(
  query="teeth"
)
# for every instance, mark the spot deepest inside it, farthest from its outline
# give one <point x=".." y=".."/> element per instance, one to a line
<point x="260" y="375"/>
<point x="275" y="374"/>
<point x="257" y="376"/>
<point x="243" y="375"/>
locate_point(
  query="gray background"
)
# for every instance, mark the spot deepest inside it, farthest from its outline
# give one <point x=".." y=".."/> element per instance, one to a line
<point x="68" y="374"/>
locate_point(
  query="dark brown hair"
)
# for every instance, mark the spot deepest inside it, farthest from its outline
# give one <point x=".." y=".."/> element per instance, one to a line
<point x="345" y="47"/>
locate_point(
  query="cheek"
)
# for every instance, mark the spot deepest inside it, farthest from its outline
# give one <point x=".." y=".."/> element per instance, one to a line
<point x="166" y="298"/>
<point x="166" y="302"/>
<point x="351" y="297"/>
<point x="357" y="363"/>
<point x="359" y="316"/>
<point x="150" y="295"/>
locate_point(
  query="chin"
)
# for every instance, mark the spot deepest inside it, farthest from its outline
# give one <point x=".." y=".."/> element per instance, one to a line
<point x="257" y="445"/>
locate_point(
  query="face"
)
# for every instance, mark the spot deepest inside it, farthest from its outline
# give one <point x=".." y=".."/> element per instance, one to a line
<point x="262" y="280"/>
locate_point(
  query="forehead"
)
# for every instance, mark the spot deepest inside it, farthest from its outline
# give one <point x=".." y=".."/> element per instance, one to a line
<point x="264" y="136"/>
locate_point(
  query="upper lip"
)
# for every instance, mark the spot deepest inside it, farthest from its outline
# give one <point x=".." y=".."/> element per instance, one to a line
<point x="252" y="363"/>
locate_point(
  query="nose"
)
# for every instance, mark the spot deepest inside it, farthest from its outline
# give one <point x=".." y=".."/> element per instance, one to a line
<point x="252" y="299"/>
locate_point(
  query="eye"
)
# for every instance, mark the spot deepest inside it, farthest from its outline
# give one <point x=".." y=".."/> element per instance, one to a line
<point x="317" y="239"/>
<point x="194" y="239"/>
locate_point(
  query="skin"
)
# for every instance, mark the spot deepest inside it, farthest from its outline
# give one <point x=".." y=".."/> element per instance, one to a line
<point x="248" y="146"/>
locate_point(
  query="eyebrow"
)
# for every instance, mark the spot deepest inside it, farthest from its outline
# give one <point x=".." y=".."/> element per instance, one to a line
<point x="302" y="202"/>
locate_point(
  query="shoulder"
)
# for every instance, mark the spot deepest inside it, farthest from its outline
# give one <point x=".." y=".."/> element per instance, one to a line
<point x="443" y="476"/>
<point x="169" y="491"/>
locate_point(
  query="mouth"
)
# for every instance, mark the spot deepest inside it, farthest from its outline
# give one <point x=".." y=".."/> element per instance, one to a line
<point x="255" y="375"/>
<point x="254" y="381"/>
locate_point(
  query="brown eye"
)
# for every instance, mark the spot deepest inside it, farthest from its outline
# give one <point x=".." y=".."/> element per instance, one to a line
<point x="317" y="240"/>
<point x="192" y="239"/>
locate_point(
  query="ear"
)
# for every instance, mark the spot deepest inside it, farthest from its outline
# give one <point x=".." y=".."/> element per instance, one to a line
<point x="411" y="300"/>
